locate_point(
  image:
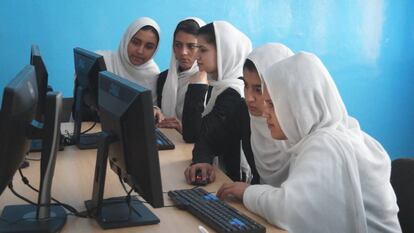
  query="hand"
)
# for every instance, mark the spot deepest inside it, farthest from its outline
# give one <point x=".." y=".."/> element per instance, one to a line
<point x="158" y="116"/>
<point x="207" y="170"/>
<point x="199" y="77"/>
<point x="171" y="123"/>
<point x="235" y="189"/>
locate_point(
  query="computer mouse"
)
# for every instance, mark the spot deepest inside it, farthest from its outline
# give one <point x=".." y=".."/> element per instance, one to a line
<point x="199" y="179"/>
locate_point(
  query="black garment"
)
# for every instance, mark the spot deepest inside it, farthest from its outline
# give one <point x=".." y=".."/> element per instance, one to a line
<point x="220" y="132"/>
<point x="160" y="85"/>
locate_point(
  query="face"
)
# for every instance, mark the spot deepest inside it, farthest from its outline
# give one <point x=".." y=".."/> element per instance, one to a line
<point x="253" y="92"/>
<point x="142" y="47"/>
<point x="207" y="56"/>
<point x="271" y="118"/>
<point x="185" y="49"/>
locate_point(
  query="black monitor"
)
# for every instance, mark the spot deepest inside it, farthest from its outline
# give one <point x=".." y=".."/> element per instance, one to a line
<point x="87" y="67"/>
<point x="18" y="110"/>
<point x="128" y="140"/>
<point x="36" y="60"/>
<point x="42" y="80"/>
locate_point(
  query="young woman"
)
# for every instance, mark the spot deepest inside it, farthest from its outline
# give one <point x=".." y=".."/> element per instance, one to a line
<point x="133" y="59"/>
<point x="172" y="83"/>
<point x="269" y="155"/>
<point x="215" y="128"/>
<point x="339" y="177"/>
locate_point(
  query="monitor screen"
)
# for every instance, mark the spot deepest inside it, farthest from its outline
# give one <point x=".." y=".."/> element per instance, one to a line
<point x="42" y="80"/>
<point x="17" y="112"/>
<point x="126" y="113"/>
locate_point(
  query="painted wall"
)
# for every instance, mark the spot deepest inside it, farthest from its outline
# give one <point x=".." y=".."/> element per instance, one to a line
<point x="367" y="45"/>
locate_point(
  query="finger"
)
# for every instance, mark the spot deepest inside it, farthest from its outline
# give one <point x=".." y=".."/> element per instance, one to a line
<point x="192" y="172"/>
<point x="224" y="190"/>
<point x="203" y="173"/>
<point x="187" y="175"/>
<point x="212" y="174"/>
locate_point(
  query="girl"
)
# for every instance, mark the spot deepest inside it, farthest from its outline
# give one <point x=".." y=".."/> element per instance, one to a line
<point x="172" y="83"/>
<point x="270" y="158"/>
<point x="134" y="58"/>
<point x="338" y="176"/>
<point x="215" y="127"/>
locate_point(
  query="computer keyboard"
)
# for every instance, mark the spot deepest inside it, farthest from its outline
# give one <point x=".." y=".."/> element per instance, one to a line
<point x="163" y="142"/>
<point x="215" y="213"/>
<point x="89" y="141"/>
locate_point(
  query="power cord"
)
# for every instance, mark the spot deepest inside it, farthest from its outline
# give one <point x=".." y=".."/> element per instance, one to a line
<point x="71" y="209"/>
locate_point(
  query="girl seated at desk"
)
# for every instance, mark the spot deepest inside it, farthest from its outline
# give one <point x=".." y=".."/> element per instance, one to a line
<point x="214" y="128"/>
<point x="172" y="84"/>
<point x="134" y="58"/>
<point x="339" y="176"/>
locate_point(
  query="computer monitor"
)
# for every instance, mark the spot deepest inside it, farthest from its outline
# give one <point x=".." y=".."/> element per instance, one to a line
<point x="42" y="80"/>
<point x="18" y="110"/>
<point x="87" y="67"/>
<point x="128" y="140"/>
<point x="42" y="85"/>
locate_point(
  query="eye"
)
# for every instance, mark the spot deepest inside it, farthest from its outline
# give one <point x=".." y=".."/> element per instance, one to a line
<point x="258" y="89"/>
<point x="135" y="41"/>
<point x="269" y="103"/>
<point x="149" y="46"/>
<point x="178" y="45"/>
<point x="192" y="46"/>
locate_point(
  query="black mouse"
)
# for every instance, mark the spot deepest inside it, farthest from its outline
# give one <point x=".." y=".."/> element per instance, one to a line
<point x="199" y="179"/>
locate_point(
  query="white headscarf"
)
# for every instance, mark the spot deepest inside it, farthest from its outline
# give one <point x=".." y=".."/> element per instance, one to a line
<point x="176" y="84"/>
<point x="339" y="176"/>
<point x="269" y="154"/>
<point x="118" y="62"/>
<point x="232" y="46"/>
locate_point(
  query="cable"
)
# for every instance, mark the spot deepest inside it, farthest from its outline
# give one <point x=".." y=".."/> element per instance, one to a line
<point x="71" y="209"/>
<point x="90" y="128"/>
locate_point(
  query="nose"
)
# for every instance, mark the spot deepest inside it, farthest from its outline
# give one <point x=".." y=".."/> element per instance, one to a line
<point x="184" y="50"/>
<point x="140" y="49"/>
<point x="249" y="97"/>
<point x="198" y="56"/>
<point x="265" y="112"/>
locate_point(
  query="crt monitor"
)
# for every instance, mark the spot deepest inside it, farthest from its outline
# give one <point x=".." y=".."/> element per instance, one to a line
<point x="20" y="98"/>
<point x="87" y="67"/>
<point x="128" y="141"/>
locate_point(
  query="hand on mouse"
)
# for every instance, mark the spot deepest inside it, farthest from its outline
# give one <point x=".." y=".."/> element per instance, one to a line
<point x="207" y="171"/>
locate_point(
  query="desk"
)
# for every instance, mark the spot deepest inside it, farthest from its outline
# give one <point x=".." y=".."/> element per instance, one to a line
<point x="72" y="184"/>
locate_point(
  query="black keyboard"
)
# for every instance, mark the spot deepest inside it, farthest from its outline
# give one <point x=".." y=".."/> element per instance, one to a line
<point x="163" y="142"/>
<point x="89" y="141"/>
<point x="215" y="213"/>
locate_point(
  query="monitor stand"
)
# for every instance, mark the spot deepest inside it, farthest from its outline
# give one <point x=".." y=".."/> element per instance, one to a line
<point x="43" y="217"/>
<point x="22" y="218"/>
<point x="82" y="141"/>
<point x="115" y="212"/>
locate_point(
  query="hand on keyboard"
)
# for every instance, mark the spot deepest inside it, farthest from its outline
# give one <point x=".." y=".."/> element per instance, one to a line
<point x="215" y="213"/>
<point x="207" y="172"/>
<point x="170" y="123"/>
<point x="234" y="189"/>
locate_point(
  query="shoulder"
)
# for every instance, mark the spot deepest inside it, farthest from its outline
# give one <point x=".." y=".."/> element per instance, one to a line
<point x="324" y="146"/>
<point x="163" y="75"/>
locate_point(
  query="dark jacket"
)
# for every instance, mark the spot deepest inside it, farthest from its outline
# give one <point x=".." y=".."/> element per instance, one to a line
<point x="220" y="132"/>
<point x="160" y="85"/>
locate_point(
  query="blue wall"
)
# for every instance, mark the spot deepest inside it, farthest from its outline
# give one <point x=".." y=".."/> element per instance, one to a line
<point x="368" y="45"/>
